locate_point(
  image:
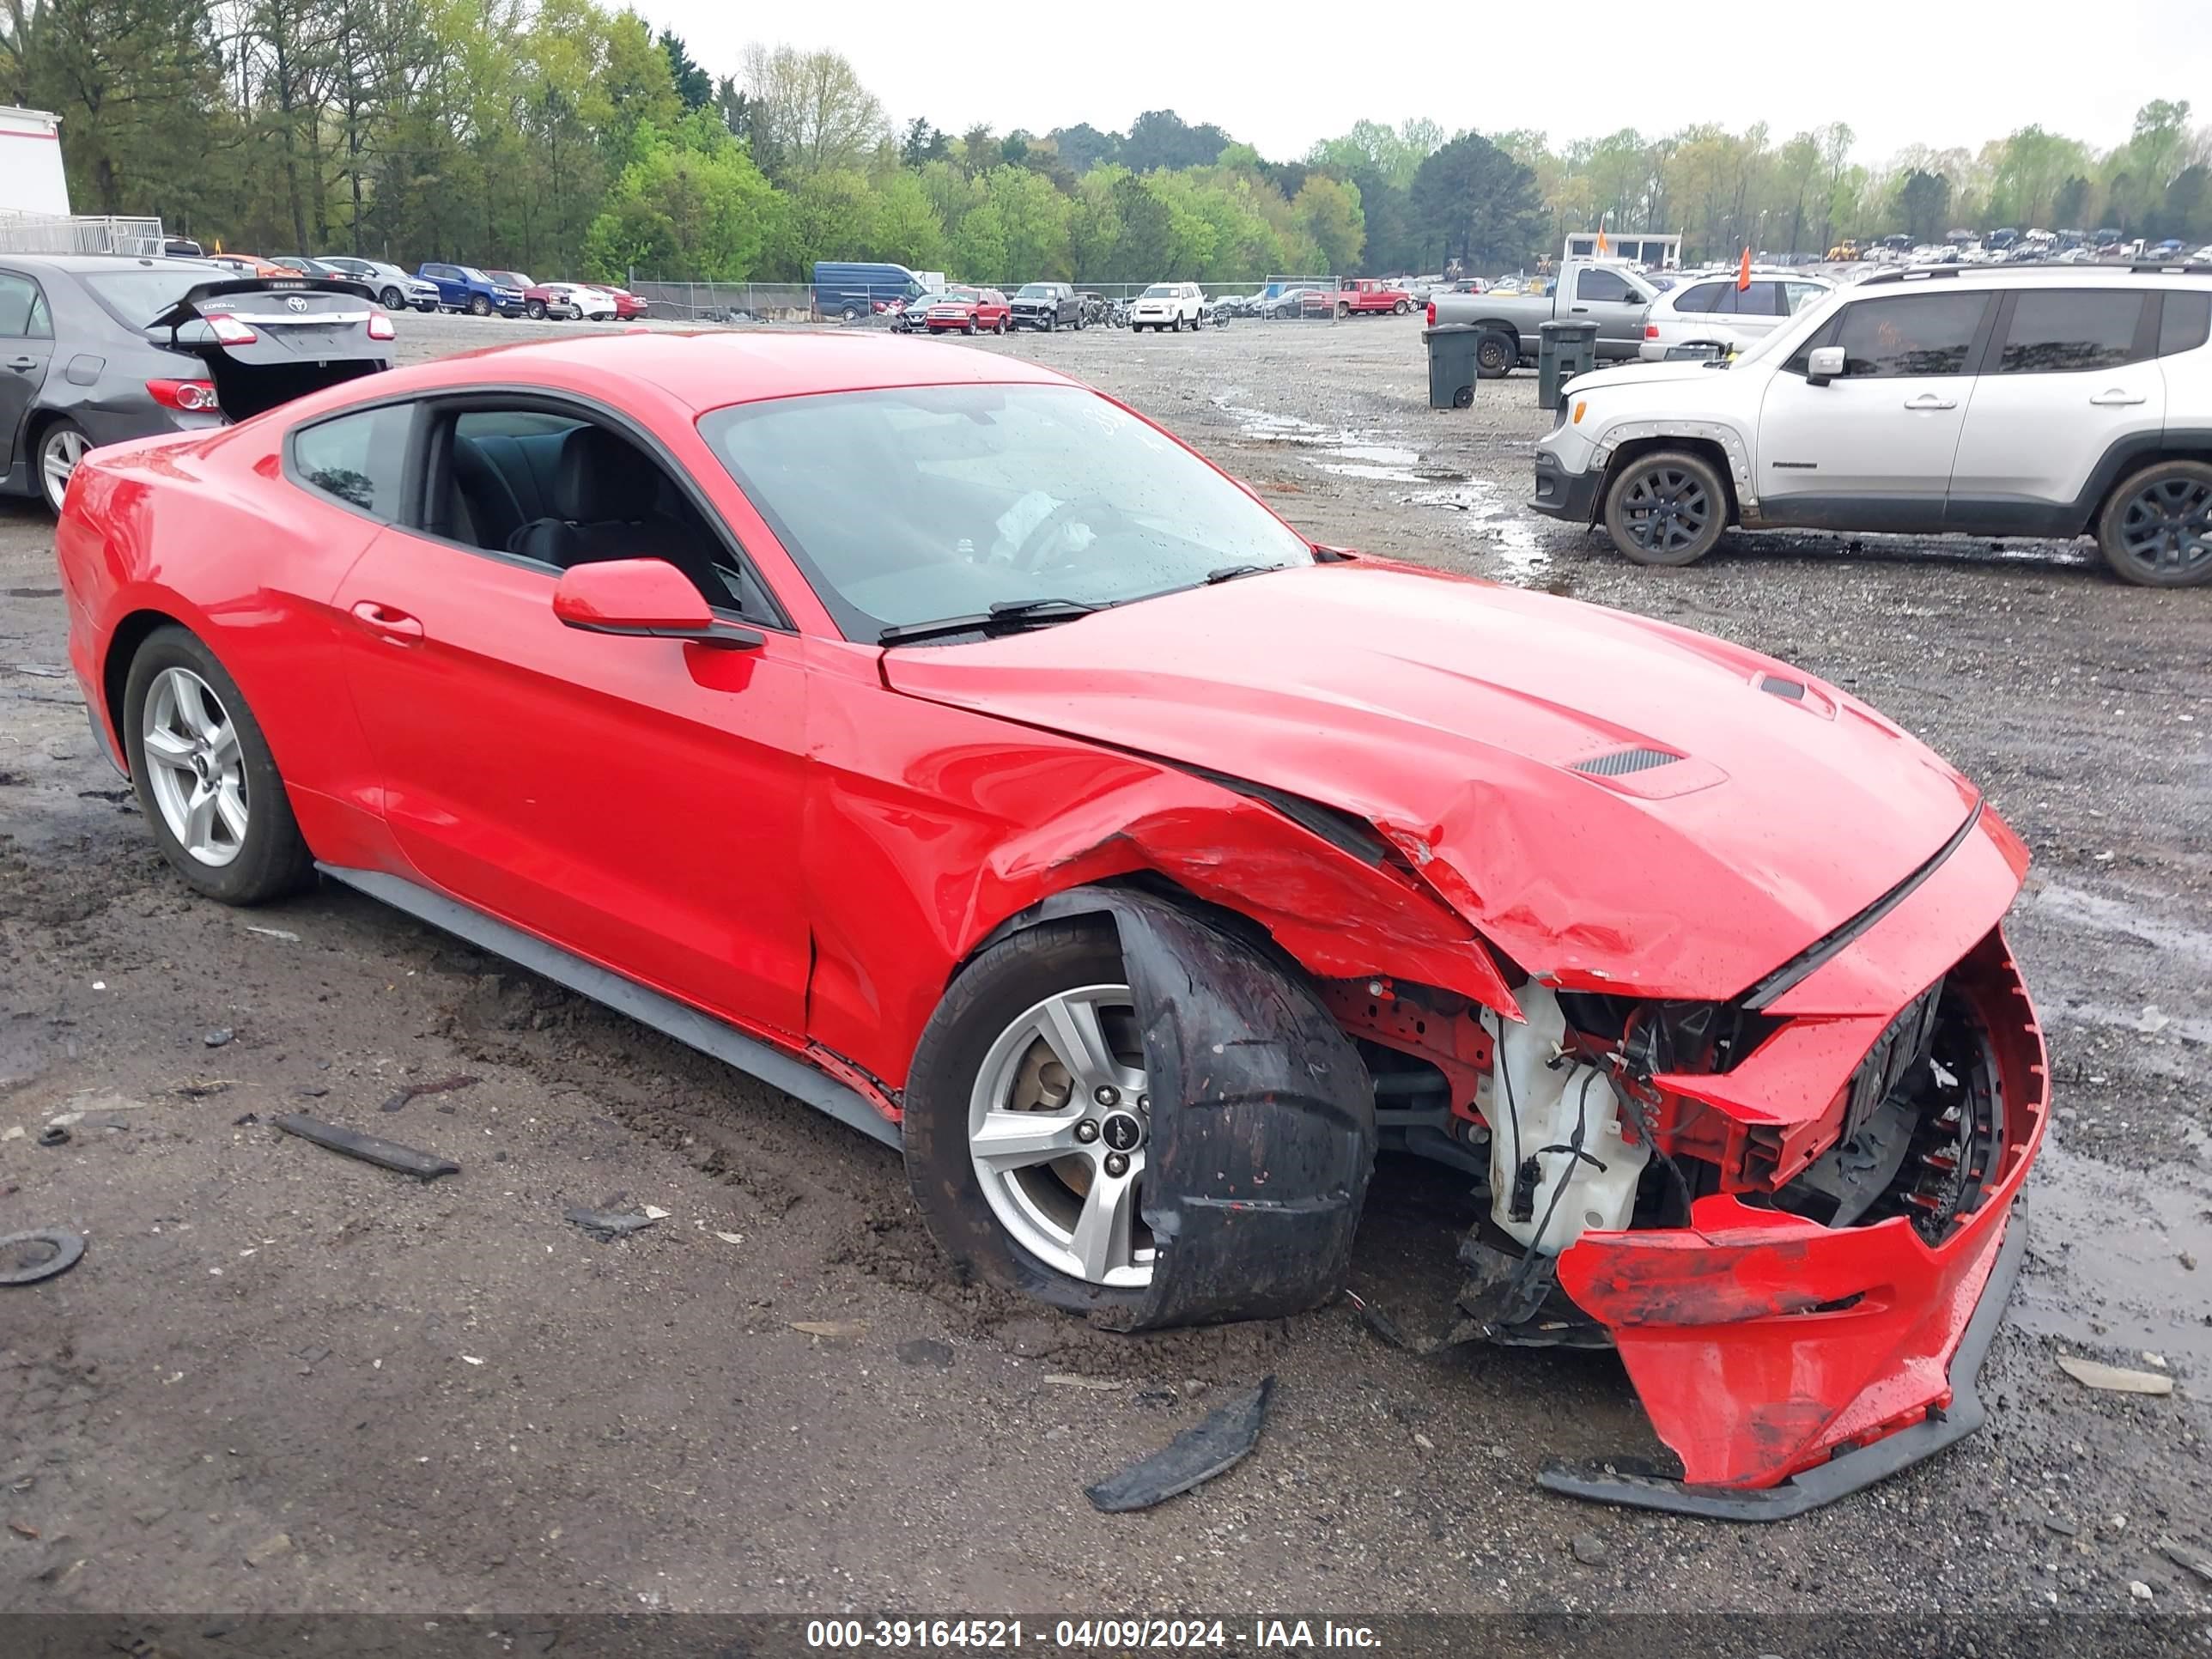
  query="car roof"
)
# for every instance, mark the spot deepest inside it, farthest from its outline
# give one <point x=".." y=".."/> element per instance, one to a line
<point x="88" y="264"/>
<point x="2039" y="275"/>
<point x="713" y="368"/>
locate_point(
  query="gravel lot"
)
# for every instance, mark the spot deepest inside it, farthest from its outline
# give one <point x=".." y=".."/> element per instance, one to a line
<point x="280" y="1380"/>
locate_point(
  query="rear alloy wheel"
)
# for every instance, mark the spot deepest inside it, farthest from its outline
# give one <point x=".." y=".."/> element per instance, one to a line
<point x="60" y="448"/>
<point x="999" y="327"/>
<point x="479" y="307"/>
<point x="850" y="314"/>
<point x="1666" y="508"/>
<point x="205" y="777"/>
<point x="1495" y="354"/>
<point x="2157" y="529"/>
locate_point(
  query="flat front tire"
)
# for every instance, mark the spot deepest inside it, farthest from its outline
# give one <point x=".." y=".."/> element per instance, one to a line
<point x="205" y="777"/>
<point x="2156" y="531"/>
<point x="1027" y="1115"/>
<point x="1667" y="508"/>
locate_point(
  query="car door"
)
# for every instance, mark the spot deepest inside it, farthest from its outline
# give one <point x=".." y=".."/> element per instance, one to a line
<point x="1873" y="448"/>
<point x="635" y="800"/>
<point x="1607" y="298"/>
<point x="2073" y="373"/>
<point x="27" y="350"/>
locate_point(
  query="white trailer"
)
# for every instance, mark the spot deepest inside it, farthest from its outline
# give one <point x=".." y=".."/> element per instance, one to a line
<point x="31" y="177"/>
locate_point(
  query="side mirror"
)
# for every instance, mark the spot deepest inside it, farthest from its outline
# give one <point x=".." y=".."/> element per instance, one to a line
<point x="650" y="597"/>
<point x="1826" y="364"/>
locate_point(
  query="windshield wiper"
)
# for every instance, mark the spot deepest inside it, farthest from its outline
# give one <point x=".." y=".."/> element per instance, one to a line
<point x="1005" y="613"/>
<point x="1230" y="572"/>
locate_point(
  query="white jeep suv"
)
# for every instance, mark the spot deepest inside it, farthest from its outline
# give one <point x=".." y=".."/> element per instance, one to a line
<point x="2021" y="400"/>
<point x="1174" y="306"/>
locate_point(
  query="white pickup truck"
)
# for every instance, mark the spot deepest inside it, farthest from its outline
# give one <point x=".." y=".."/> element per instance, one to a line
<point x="1613" y="296"/>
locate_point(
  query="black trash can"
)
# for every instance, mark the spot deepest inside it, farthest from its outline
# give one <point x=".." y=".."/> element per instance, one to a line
<point x="1564" y="349"/>
<point x="1451" y="364"/>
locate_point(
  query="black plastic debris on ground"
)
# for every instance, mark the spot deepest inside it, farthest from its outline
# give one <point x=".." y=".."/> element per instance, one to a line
<point x="605" y="1224"/>
<point x="64" y="1250"/>
<point x="1192" y="1457"/>
<point x="416" y="1090"/>
<point x="370" y="1149"/>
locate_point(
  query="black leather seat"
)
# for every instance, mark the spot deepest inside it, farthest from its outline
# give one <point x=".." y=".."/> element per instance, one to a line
<point x="604" y="504"/>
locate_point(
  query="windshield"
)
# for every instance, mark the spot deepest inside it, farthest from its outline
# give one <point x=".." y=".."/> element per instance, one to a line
<point x="1160" y="291"/>
<point x="473" y="275"/>
<point x="513" y="279"/>
<point x="1785" y="339"/>
<point x="986" y="495"/>
<point x="1036" y="291"/>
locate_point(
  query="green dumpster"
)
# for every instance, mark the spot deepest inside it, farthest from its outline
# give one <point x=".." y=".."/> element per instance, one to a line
<point x="1564" y="349"/>
<point x="1451" y="364"/>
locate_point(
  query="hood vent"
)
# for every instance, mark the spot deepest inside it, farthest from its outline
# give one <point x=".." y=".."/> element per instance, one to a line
<point x="1622" y="762"/>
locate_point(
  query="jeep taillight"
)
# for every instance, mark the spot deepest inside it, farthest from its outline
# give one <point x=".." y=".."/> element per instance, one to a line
<point x="194" y="397"/>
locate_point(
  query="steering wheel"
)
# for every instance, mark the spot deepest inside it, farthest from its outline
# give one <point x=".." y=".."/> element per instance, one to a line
<point x="1029" y="555"/>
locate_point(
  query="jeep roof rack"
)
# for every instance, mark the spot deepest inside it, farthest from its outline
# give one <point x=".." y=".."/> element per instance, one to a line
<point x="1926" y="273"/>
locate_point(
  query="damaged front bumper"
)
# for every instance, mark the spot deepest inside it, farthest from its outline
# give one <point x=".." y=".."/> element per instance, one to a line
<point x="1785" y="1363"/>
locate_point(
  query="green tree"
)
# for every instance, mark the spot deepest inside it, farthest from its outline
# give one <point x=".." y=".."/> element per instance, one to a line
<point x="1925" y="200"/>
<point x="1329" y="214"/>
<point x="1474" y="203"/>
<point x="692" y="84"/>
<point x="703" y="213"/>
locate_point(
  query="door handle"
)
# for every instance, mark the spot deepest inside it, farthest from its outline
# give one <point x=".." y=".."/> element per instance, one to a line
<point x="394" y="625"/>
<point x="2115" y="399"/>
<point x="1578" y="310"/>
<point x="20" y="363"/>
<point x="1929" y="400"/>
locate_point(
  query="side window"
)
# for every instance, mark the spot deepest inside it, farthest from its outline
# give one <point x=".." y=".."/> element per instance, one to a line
<point x="1705" y="297"/>
<point x="2186" y="323"/>
<point x="561" y="491"/>
<point x="20" y="301"/>
<point x="1908" y="334"/>
<point x="357" y="459"/>
<point x="1764" y="300"/>
<point x="1607" y="286"/>
<point x="2055" y="330"/>
<point x="1801" y="295"/>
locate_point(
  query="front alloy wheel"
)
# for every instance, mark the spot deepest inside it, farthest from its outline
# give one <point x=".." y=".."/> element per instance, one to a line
<point x="59" y="450"/>
<point x="1057" y="1124"/>
<point x="1666" y="509"/>
<point x="2158" y="530"/>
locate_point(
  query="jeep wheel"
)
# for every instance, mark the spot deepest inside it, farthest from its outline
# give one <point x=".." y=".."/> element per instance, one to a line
<point x="2156" y="531"/>
<point x="1667" y="508"/>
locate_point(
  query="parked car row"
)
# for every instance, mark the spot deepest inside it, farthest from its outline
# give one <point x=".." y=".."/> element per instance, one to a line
<point x="514" y="294"/>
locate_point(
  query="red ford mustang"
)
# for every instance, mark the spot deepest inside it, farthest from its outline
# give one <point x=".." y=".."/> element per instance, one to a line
<point x="946" y="744"/>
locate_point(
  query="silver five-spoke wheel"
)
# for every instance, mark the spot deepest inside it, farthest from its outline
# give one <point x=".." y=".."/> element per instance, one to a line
<point x="59" y="454"/>
<point x="195" y="766"/>
<point x="1057" y="1128"/>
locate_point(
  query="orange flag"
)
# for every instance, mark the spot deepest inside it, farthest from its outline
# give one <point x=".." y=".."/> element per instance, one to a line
<point x="1601" y="240"/>
<point x="1743" y="271"/>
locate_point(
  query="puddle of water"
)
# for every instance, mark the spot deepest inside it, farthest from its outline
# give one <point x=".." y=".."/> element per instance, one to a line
<point x="1495" y="519"/>
<point x="2105" y="1250"/>
<point x="2095" y="913"/>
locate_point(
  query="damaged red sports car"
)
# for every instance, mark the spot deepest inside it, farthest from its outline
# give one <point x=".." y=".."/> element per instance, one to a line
<point x="946" y="744"/>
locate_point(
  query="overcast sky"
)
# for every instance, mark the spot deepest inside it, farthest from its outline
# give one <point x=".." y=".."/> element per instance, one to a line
<point x="1939" y="72"/>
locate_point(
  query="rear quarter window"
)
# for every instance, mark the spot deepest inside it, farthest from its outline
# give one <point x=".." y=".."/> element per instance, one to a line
<point x="2185" y="324"/>
<point x="2060" y="330"/>
<point x="357" y="460"/>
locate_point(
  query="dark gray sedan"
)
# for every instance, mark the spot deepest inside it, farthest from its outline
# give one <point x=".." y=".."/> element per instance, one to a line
<point x="98" y="347"/>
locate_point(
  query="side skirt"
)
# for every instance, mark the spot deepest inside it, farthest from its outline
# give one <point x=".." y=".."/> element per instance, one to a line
<point x="648" y="1007"/>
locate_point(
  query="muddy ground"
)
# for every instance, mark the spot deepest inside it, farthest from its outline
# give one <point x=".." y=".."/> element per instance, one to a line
<point x="282" y="1380"/>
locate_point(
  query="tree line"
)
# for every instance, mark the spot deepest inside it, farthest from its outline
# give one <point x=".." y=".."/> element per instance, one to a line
<point x="561" y="137"/>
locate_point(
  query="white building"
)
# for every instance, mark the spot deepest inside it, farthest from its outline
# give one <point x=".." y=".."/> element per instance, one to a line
<point x="1634" y="248"/>
<point x="31" y="179"/>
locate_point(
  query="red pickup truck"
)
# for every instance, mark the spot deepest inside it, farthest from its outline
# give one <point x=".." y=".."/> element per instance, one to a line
<point x="1368" y="295"/>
